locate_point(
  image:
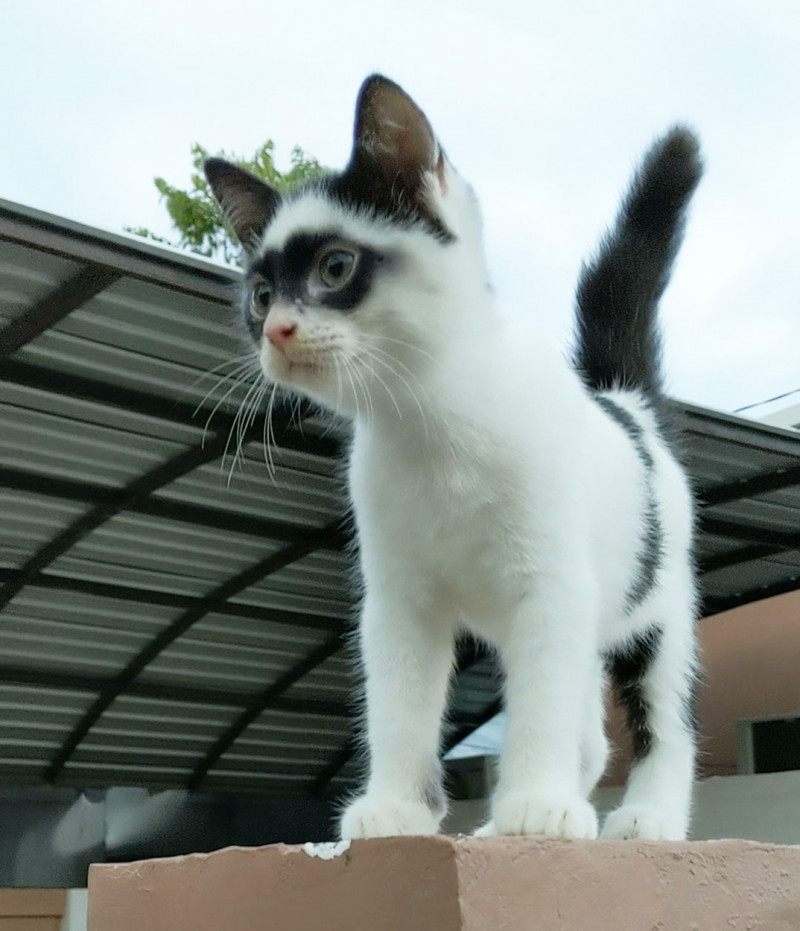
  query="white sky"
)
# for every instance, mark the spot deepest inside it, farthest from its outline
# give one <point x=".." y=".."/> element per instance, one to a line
<point x="544" y="107"/>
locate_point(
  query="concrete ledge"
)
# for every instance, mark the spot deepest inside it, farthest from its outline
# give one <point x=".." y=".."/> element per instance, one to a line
<point x="456" y="884"/>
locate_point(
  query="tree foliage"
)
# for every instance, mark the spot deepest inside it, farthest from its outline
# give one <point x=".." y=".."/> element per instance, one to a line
<point x="196" y="215"/>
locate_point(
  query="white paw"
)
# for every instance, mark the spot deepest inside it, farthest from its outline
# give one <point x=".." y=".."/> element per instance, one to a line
<point x="485" y="830"/>
<point x="640" y="823"/>
<point x="541" y="813"/>
<point x="386" y="816"/>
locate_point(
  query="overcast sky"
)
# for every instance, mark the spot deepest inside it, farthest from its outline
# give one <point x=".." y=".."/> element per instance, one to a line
<point x="544" y="107"/>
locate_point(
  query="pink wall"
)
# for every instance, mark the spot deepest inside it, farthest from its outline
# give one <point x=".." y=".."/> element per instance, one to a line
<point x="751" y="669"/>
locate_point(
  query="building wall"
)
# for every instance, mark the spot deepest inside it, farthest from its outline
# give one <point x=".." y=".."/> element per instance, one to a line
<point x="750" y="669"/>
<point x="761" y="808"/>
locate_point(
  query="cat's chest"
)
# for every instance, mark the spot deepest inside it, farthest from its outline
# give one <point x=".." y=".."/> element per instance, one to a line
<point x="457" y="512"/>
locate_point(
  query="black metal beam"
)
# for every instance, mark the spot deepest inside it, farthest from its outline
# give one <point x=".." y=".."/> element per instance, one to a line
<point x="201" y="515"/>
<point x="733" y="430"/>
<point x="132" y="593"/>
<point x="716" y="604"/>
<point x="764" y="542"/>
<point x="750" y="487"/>
<point x="85" y="284"/>
<point x="115" y="501"/>
<point x="748" y="533"/>
<point x="169" y="634"/>
<point x="264" y="700"/>
<point x="332" y="769"/>
<point x="736" y="557"/>
<point x="162" y="691"/>
<point x="105" y="394"/>
<point x="125" y="257"/>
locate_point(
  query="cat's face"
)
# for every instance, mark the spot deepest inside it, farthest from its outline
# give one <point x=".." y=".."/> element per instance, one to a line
<point x="355" y="284"/>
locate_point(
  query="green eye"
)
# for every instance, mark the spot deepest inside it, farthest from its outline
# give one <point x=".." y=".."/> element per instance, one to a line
<point x="336" y="268"/>
<point x="260" y="299"/>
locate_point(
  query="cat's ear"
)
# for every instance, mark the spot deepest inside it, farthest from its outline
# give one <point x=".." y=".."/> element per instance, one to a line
<point x="247" y="202"/>
<point x="395" y="137"/>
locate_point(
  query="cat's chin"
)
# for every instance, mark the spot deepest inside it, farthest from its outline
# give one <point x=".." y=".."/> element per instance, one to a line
<point x="290" y="374"/>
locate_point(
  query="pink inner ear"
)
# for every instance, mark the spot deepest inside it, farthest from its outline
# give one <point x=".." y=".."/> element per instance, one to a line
<point x="401" y="130"/>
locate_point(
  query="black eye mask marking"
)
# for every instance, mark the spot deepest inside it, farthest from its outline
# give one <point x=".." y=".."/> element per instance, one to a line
<point x="290" y="271"/>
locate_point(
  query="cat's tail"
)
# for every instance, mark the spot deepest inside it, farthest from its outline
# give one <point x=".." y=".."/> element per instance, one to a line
<point x="618" y="342"/>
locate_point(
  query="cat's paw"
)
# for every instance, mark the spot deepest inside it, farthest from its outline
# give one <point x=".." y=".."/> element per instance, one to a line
<point x="541" y="813"/>
<point x="386" y="816"/>
<point x="635" y="822"/>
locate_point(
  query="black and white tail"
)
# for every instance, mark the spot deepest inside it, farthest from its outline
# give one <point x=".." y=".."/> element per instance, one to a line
<point x="617" y="336"/>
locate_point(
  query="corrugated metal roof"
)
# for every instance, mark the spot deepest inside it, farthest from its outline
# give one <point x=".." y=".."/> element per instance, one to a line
<point x="168" y="620"/>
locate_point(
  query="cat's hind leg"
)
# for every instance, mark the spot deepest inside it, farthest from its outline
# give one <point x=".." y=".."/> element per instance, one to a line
<point x="653" y="675"/>
<point x="594" y="743"/>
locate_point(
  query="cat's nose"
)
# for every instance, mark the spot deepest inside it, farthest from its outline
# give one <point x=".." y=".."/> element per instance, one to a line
<point x="279" y="330"/>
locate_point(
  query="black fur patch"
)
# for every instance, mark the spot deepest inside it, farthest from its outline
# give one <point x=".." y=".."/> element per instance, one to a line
<point x="362" y="187"/>
<point x="618" y="343"/>
<point x="652" y="541"/>
<point x="433" y="794"/>
<point x="628" y="668"/>
<point x="288" y="272"/>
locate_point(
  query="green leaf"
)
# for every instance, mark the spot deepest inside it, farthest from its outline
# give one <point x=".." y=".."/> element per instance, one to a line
<point x="197" y="217"/>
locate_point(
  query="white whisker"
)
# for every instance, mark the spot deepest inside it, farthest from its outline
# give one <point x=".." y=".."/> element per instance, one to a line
<point x="241" y="378"/>
<point x="371" y="352"/>
<point x="236" y="428"/>
<point x="404" y="343"/>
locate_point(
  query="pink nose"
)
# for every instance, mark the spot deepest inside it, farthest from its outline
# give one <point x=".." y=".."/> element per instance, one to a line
<point x="279" y="332"/>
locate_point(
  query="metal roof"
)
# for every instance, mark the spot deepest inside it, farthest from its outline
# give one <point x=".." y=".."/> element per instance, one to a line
<point x="167" y="620"/>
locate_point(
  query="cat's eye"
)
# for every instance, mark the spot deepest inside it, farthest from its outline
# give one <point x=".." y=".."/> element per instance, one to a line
<point x="336" y="268"/>
<point x="260" y="299"/>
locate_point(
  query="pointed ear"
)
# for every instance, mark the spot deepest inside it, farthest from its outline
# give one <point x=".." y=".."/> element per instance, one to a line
<point x="247" y="202"/>
<point x="394" y="135"/>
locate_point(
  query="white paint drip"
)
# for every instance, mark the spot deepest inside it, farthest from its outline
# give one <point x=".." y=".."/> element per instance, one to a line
<point x="328" y="850"/>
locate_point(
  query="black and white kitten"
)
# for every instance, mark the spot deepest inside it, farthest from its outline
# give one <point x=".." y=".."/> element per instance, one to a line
<point x="495" y="487"/>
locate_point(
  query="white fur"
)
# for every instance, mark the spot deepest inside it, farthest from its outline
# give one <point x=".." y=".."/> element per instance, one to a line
<point x="490" y="492"/>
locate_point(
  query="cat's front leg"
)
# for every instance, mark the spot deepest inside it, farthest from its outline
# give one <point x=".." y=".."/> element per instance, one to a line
<point x="407" y="651"/>
<point x="549" y="654"/>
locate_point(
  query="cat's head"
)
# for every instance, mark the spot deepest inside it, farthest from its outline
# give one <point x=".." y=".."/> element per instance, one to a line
<point x="355" y="284"/>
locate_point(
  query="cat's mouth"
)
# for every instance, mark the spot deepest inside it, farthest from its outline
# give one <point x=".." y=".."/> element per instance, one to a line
<point x="282" y="367"/>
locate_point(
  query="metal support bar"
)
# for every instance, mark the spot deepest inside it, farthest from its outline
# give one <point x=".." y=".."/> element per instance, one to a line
<point x="750" y="487"/>
<point x="158" y="691"/>
<point x="168" y="635"/>
<point x="131" y="593"/>
<point x="162" y="508"/>
<point x="715" y="605"/>
<point x="266" y="699"/>
<point x="131" y="258"/>
<point x="332" y="769"/>
<point x="747" y="533"/>
<point x="168" y="410"/>
<point x="113" y="503"/>
<point x="87" y="283"/>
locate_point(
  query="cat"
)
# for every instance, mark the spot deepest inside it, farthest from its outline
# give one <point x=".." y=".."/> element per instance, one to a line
<point x="496" y="487"/>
